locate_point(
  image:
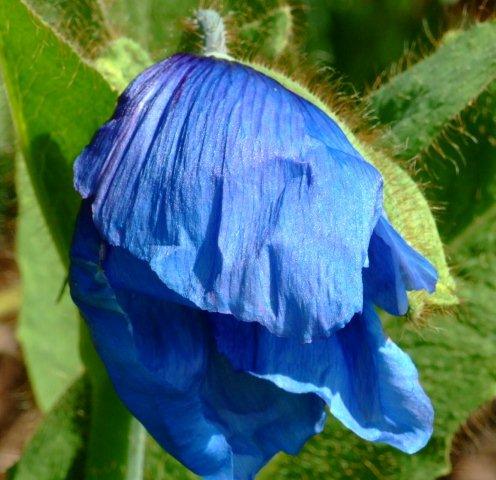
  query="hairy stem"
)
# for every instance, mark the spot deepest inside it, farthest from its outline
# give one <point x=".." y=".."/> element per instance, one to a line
<point x="214" y="32"/>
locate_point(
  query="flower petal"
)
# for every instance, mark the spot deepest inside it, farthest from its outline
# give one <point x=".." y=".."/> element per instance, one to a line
<point x="243" y="197"/>
<point x="416" y="271"/>
<point x="382" y="280"/>
<point x="370" y="385"/>
<point x="394" y="267"/>
<point x="164" y="365"/>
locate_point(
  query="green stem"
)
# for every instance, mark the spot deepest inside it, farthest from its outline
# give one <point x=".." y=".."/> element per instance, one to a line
<point x="136" y="451"/>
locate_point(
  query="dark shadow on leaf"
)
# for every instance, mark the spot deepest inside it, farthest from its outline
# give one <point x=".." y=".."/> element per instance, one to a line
<point x="51" y="174"/>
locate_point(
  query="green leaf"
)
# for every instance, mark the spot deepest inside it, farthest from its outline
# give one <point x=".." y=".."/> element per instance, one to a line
<point x="48" y="328"/>
<point x="465" y="186"/>
<point x="420" y="102"/>
<point x="56" y="450"/>
<point x="7" y="133"/>
<point x="268" y="35"/>
<point x="449" y="124"/>
<point x="159" y="465"/>
<point x="57" y="103"/>
<point x="80" y="22"/>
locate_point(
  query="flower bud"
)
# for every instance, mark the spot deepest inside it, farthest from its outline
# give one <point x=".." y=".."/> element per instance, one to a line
<point x="230" y="252"/>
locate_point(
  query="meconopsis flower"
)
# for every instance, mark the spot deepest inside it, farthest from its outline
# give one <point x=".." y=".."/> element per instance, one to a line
<point x="228" y="257"/>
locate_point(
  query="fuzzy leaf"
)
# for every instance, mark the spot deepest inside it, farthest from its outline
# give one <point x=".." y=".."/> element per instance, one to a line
<point x="420" y="102"/>
<point x="57" y="103"/>
<point x="449" y="124"/>
<point x="268" y="35"/>
<point x="465" y="177"/>
<point x="46" y="84"/>
<point x="55" y="452"/>
<point x="81" y="23"/>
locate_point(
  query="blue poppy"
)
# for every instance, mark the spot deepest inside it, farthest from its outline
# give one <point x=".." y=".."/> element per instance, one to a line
<point x="228" y="256"/>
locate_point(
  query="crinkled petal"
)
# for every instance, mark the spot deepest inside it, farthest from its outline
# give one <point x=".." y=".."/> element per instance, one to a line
<point x="395" y="267"/>
<point x="162" y="360"/>
<point x="416" y="271"/>
<point x="243" y="197"/>
<point x="370" y="385"/>
<point x="382" y="279"/>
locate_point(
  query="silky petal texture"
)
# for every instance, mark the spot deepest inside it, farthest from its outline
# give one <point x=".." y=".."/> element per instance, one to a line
<point x="163" y="362"/>
<point x="395" y="267"/>
<point x="370" y="385"/>
<point x="243" y="197"/>
<point x="416" y="271"/>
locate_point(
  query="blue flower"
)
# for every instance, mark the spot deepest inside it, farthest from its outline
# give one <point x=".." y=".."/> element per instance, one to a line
<point x="228" y="256"/>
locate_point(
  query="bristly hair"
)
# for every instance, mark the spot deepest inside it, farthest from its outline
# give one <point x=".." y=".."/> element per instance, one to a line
<point x="468" y="10"/>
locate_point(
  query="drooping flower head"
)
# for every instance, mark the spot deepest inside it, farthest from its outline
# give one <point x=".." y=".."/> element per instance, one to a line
<point x="228" y="256"/>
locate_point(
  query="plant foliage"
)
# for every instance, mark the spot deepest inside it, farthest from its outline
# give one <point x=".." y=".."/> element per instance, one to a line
<point x="63" y="65"/>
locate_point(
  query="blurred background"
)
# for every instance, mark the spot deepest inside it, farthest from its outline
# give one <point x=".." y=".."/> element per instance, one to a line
<point x="364" y="42"/>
